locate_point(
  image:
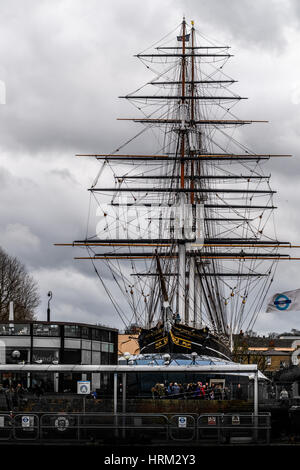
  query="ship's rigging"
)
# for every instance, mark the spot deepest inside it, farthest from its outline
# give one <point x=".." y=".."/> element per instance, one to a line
<point x="196" y="159"/>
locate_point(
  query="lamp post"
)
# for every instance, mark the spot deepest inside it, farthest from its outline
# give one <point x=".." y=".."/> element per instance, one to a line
<point x="48" y="309"/>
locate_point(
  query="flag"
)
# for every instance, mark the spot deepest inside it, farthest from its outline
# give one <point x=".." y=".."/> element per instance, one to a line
<point x="284" y="301"/>
<point x="186" y="38"/>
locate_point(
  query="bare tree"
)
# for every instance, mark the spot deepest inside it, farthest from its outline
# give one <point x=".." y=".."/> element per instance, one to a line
<point x="18" y="286"/>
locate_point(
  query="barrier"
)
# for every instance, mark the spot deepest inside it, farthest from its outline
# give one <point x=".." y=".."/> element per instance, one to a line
<point x="135" y="428"/>
<point x="5" y="427"/>
<point x="25" y="427"/>
<point x="235" y="427"/>
<point x="182" y="427"/>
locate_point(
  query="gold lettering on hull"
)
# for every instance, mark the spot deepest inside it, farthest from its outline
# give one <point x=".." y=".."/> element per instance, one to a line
<point x="180" y="341"/>
<point x="162" y="342"/>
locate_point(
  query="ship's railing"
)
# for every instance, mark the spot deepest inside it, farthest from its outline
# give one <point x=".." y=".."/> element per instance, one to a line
<point x="135" y="427"/>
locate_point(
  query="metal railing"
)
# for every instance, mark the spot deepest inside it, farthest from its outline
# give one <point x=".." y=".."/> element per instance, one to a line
<point x="135" y="427"/>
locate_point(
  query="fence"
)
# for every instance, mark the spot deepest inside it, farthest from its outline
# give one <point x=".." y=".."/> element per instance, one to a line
<point x="134" y="428"/>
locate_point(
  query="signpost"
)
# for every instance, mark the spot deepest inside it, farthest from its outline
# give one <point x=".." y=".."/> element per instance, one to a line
<point x="83" y="388"/>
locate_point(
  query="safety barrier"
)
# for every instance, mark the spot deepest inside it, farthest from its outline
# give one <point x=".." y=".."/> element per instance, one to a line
<point x="135" y="427"/>
<point x="239" y="427"/>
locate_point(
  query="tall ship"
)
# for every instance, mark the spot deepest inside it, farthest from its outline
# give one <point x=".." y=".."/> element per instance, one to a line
<point x="184" y="211"/>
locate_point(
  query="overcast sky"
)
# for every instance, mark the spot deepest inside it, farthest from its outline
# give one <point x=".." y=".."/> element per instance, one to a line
<point x="65" y="62"/>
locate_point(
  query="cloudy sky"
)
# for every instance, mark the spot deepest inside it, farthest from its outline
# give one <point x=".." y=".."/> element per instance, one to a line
<point x="65" y="62"/>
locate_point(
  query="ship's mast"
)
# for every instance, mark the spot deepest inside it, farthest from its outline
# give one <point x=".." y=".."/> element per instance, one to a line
<point x="194" y="301"/>
<point x="181" y="245"/>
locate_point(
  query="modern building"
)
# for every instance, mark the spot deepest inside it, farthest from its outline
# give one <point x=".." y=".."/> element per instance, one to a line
<point x="39" y="342"/>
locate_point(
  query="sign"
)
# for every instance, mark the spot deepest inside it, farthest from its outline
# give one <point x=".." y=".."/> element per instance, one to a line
<point x="61" y="423"/>
<point x="235" y="419"/>
<point x="182" y="422"/>
<point x="211" y="420"/>
<point x="83" y="387"/>
<point x="25" y="421"/>
<point x="28" y="423"/>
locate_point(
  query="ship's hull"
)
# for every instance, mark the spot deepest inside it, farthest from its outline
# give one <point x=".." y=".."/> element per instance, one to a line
<point x="182" y="339"/>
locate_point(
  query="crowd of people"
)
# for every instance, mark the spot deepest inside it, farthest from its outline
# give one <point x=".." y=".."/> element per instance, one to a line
<point x="199" y="390"/>
<point x="15" y="393"/>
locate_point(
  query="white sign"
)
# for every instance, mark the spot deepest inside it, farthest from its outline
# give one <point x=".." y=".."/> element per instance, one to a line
<point x="211" y="420"/>
<point x="25" y="421"/>
<point x="83" y="387"/>
<point x="61" y="423"/>
<point x="182" y="422"/>
<point x="235" y="419"/>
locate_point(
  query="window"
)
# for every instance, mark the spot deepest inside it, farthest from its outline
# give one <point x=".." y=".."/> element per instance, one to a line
<point x="14" y="329"/>
<point x="86" y="357"/>
<point x="40" y="329"/>
<point x="85" y="332"/>
<point x="72" y="331"/>
<point x="268" y="360"/>
<point x="96" y="334"/>
<point x="72" y="356"/>
<point x="45" y="356"/>
<point x="105" y="347"/>
<point x="96" y="357"/>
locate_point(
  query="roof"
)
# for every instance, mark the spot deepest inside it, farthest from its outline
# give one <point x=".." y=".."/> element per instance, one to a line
<point x="40" y="322"/>
<point x="188" y="363"/>
<point x="260" y="341"/>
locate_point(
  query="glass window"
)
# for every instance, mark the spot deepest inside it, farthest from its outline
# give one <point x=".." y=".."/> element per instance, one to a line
<point x="105" y="347"/>
<point x="16" y="355"/>
<point x="72" y="356"/>
<point x="96" y="334"/>
<point x="45" y="330"/>
<point x="85" y="332"/>
<point x="72" y="331"/>
<point x="45" y="356"/>
<point x="104" y="358"/>
<point x="14" y="329"/>
<point x="111" y="347"/>
<point x="86" y="357"/>
<point x="96" y="357"/>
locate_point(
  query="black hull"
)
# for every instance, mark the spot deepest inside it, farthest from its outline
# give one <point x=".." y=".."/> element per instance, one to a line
<point x="182" y="339"/>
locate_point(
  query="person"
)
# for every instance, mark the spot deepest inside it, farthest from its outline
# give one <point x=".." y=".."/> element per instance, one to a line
<point x="226" y="393"/>
<point x="170" y="389"/>
<point x="218" y="392"/>
<point x="284" y="396"/>
<point x="200" y="392"/>
<point x="176" y="390"/>
<point x="154" y="391"/>
<point x="161" y="390"/>
<point x="239" y="392"/>
<point x="189" y="390"/>
<point x="9" y="393"/>
<point x="18" y="394"/>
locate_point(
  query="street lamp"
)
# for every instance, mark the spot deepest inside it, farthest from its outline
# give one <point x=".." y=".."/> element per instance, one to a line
<point x="48" y="309"/>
